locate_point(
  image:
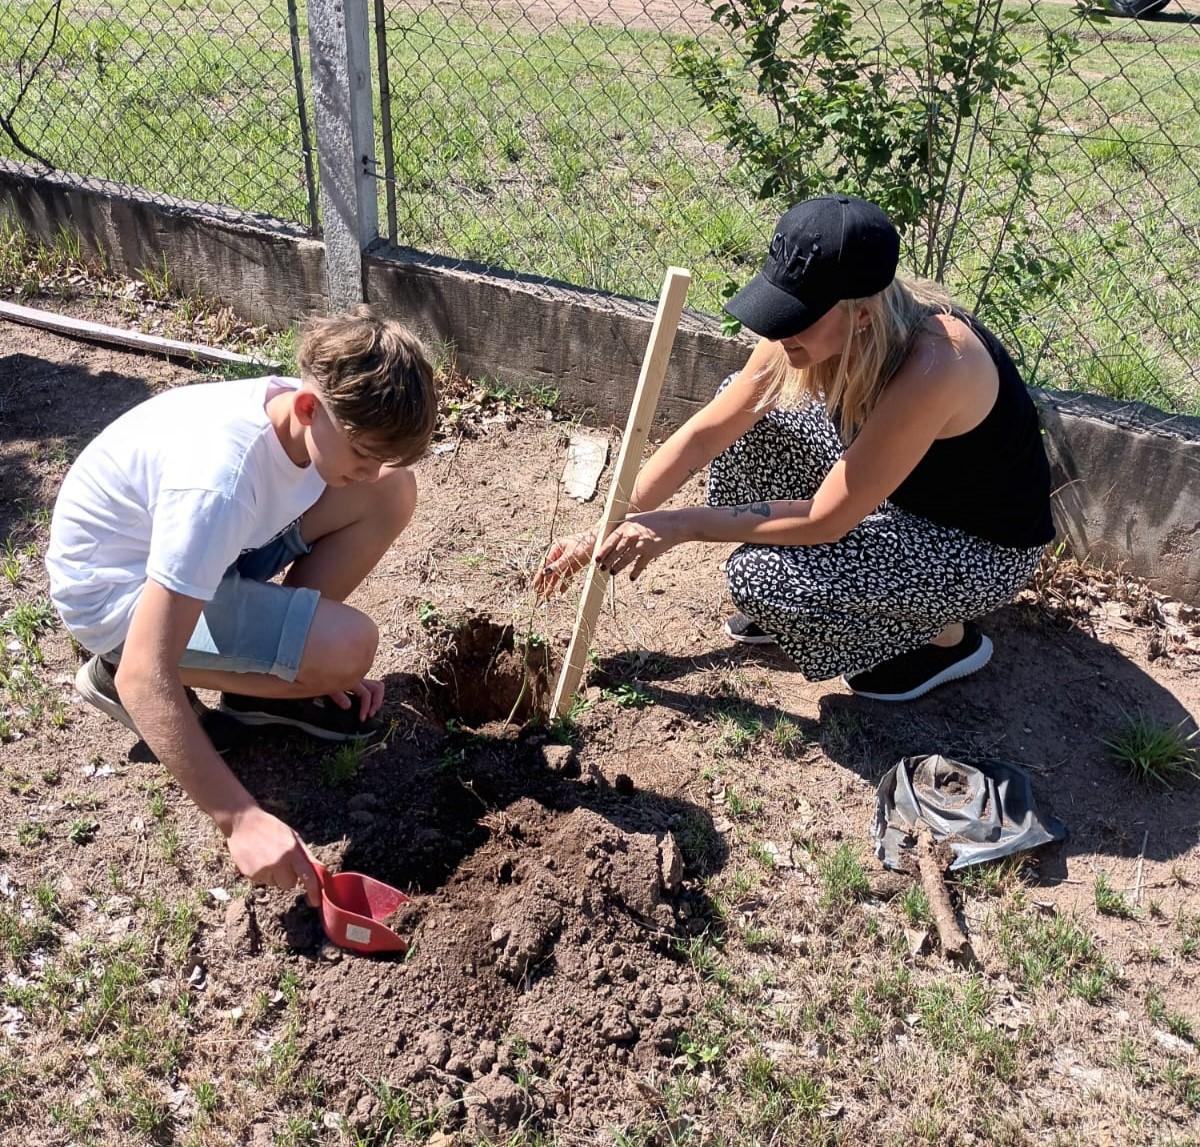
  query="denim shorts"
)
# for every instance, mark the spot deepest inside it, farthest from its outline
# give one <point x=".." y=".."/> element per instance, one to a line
<point x="253" y="625"/>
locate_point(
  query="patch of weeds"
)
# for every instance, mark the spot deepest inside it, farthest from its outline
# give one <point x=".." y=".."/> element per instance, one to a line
<point x="737" y="732"/>
<point x="628" y="696"/>
<point x="867" y="1024"/>
<point x="160" y="283"/>
<point x="702" y="1051"/>
<point x="1183" y="1083"/>
<point x="565" y="729"/>
<point x="764" y="855"/>
<point x="776" y="1103"/>
<point x="82" y="831"/>
<point x="1189" y="935"/>
<point x="953" y="1017"/>
<point x="704" y="955"/>
<point x="1174" y="1022"/>
<point x="760" y="939"/>
<point x="1152" y="753"/>
<point x="893" y="989"/>
<point x="148" y="1114"/>
<point x="31" y="833"/>
<point x="208" y="1097"/>
<point x="342" y="765"/>
<point x="427" y="615"/>
<point x="1110" y="902"/>
<point x="1054" y="950"/>
<point x="741" y="808"/>
<point x="843" y="878"/>
<point x="19" y="936"/>
<point x="915" y="906"/>
<point x="157" y="802"/>
<point x="992" y="878"/>
<point x="785" y="733"/>
<point x="1126" y="1057"/>
<point x="14" y="560"/>
<point x="400" y="1116"/>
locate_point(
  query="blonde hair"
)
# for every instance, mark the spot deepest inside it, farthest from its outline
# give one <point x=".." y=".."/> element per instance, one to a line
<point x="849" y="384"/>
<point x="375" y="379"/>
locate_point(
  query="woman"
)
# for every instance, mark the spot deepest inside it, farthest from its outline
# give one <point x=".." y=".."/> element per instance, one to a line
<point x="879" y="457"/>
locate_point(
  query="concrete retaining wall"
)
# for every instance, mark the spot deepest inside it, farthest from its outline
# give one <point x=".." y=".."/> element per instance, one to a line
<point x="1127" y="476"/>
<point x="269" y="272"/>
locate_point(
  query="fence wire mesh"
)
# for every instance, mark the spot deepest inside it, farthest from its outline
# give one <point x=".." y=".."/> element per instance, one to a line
<point x="597" y="141"/>
<point x="201" y="101"/>
<point x="1043" y="159"/>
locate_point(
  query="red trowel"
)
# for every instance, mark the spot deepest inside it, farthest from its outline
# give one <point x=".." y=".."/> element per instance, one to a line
<point x="353" y="908"/>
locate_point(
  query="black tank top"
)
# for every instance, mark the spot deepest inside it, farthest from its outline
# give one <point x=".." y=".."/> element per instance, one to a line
<point x="993" y="481"/>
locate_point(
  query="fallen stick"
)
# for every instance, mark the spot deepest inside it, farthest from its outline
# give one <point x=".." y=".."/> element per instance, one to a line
<point x="953" y="940"/>
<point x="130" y="340"/>
<point x="637" y="429"/>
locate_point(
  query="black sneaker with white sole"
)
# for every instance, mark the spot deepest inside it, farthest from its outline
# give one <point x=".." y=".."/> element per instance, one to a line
<point x="317" y="716"/>
<point x="911" y="675"/>
<point x="96" y="683"/>
<point x="741" y="629"/>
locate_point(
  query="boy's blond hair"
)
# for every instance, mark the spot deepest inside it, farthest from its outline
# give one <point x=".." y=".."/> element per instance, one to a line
<point x="375" y="379"/>
<point x="850" y="383"/>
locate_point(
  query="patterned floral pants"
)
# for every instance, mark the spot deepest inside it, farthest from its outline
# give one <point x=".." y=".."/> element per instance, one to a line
<point x="890" y="585"/>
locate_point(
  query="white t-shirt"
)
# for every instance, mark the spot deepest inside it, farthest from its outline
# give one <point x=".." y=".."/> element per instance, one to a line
<point x="175" y="489"/>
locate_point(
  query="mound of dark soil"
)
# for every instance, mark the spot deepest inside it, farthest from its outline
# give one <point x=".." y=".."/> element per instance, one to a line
<point x="538" y="978"/>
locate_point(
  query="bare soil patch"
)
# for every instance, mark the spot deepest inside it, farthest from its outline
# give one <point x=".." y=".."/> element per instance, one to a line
<point x="631" y="928"/>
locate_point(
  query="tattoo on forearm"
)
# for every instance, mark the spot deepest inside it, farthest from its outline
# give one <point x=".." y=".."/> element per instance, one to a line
<point x="762" y="509"/>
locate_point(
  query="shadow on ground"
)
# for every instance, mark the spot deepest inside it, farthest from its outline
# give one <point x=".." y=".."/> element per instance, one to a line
<point x="1047" y="700"/>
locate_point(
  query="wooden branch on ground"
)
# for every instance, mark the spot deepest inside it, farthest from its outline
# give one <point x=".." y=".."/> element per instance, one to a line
<point x="129" y="340"/>
<point x="933" y="879"/>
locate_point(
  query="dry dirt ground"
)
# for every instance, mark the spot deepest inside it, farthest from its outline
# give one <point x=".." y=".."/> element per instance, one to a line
<point x="661" y="923"/>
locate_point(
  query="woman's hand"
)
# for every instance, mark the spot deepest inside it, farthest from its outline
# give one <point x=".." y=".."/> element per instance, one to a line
<point x="565" y="558"/>
<point x="638" y="540"/>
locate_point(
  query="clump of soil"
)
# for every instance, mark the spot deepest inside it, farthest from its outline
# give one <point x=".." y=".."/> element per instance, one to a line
<point x="486" y="675"/>
<point x="540" y="975"/>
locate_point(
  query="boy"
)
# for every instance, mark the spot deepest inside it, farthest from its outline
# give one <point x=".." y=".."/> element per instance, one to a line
<point x="170" y="523"/>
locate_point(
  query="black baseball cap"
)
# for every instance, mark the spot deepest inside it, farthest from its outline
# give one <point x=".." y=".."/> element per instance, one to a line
<point x="824" y="250"/>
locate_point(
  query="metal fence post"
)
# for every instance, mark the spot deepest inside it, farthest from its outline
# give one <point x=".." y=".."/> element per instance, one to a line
<point x="345" y="127"/>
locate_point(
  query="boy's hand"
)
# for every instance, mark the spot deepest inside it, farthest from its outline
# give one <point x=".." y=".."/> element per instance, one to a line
<point x="368" y="694"/>
<point x="565" y="558"/>
<point x="268" y="852"/>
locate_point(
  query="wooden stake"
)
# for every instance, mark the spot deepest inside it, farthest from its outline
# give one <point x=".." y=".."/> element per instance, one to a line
<point x="637" y="429"/>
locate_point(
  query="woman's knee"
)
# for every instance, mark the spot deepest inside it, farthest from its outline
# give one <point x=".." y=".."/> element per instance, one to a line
<point x="340" y="648"/>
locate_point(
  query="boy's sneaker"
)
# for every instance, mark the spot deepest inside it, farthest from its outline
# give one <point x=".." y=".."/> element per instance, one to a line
<point x="317" y="716"/>
<point x="912" y="675"/>
<point x="741" y="629"/>
<point x="96" y="683"/>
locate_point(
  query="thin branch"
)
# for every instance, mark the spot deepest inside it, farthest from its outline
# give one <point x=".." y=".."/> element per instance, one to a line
<point x="6" y="119"/>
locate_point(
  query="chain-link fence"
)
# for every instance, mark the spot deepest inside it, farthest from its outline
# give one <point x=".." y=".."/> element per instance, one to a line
<point x="1044" y="163"/>
<point x="202" y="101"/>
<point x="596" y="141"/>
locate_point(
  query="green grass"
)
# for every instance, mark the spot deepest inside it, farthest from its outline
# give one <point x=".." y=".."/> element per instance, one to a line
<point x="342" y="765"/>
<point x="1044" y="951"/>
<point x="574" y="152"/>
<point x="843" y="878"/>
<point x="1153" y="753"/>
<point x="1110" y="902"/>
